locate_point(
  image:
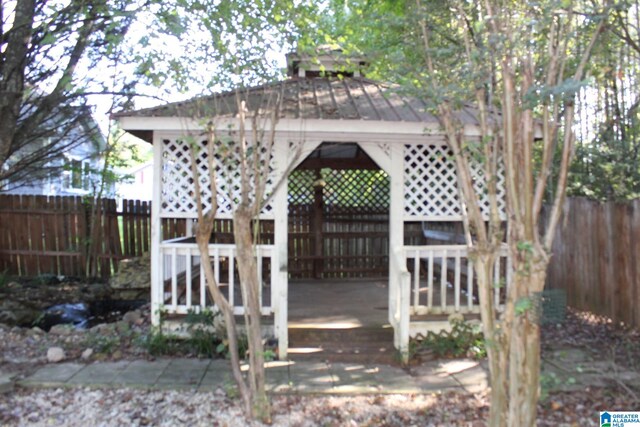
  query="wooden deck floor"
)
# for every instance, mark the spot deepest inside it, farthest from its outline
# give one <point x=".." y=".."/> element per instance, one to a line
<point x="338" y="303"/>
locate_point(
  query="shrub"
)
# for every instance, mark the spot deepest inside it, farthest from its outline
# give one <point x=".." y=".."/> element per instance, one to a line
<point x="464" y="339"/>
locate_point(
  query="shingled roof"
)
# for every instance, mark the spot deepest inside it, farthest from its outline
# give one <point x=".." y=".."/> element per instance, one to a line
<point x="324" y="98"/>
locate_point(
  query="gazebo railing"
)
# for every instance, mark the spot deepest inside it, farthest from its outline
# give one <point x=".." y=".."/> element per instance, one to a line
<point x="442" y="279"/>
<point x="184" y="287"/>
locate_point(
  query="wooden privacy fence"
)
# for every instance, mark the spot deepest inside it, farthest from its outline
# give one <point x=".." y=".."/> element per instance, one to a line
<point x="595" y="258"/>
<point x="52" y="235"/>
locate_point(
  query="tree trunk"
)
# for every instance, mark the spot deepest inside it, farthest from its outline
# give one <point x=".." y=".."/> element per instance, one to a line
<point x="250" y="286"/>
<point x="203" y="234"/>
<point x="483" y="263"/>
<point x="524" y="348"/>
<point x="16" y="49"/>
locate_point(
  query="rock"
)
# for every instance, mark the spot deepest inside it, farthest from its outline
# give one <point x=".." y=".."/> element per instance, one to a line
<point x="103" y="328"/>
<point x="62" y="330"/>
<point x="98" y="291"/>
<point x="87" y="354"/>
<point x="455" y="317"/>
<point x="132" y="317"/>
<point x="48" y="279"/>
<point x="122" y="327"/>
<point x="133" y="279"/>
<point x="35" y="331"/>
<point x="117" y="355"/>
<point x="17" y="312"/>
<point x="55" y="355"/>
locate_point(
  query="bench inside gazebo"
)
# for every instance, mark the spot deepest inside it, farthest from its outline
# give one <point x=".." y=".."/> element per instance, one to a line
<point x="369" y="191"/>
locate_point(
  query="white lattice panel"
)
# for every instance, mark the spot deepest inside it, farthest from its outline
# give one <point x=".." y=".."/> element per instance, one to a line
<point x="430" y="183"/>
<point x="178" y="196"/>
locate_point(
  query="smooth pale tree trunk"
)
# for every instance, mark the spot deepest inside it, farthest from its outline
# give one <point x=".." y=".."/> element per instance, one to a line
<point x="203" y="234"/>
<point x="524" y="345"/>
<point x="483" y="263"/>
<point x="250" y="285"/>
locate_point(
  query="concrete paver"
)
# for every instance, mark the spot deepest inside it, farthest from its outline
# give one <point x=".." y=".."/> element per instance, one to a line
<point x="54" y="374"/>
<point x="217" y="374"/>
<point x="281" y="377"/>
<point x="141" y="372"/>
<point x="311" y="377"/>
<point x="183" y="373"/>
<point x="440" y="375"/>
<point x="6" y="382"/>
<point x="104" y="373"/>
<point x="395" y="380"/>
<point x="473" y="379"/>
<point x="278" y="376"/>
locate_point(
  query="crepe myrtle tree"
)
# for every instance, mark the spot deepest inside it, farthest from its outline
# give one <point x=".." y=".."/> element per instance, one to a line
<point x="229" y="45"/>
<point x="526" y="61"/>
<point x="522" y="65"/>
<point x="238" y="171"/>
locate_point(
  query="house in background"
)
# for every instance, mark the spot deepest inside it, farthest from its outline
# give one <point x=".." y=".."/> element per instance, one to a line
<point x="137" y="183"/>
<point x="73" y="169"/>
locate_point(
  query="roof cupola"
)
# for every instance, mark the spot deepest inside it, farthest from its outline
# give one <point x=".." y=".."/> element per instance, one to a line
<point x="327" y="61"/>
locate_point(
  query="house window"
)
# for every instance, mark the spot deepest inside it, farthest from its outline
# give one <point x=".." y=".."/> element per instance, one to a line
<point x="77" y="175"/>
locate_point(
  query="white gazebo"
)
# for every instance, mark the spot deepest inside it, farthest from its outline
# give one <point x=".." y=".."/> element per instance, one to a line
<point x="318" y="105"/>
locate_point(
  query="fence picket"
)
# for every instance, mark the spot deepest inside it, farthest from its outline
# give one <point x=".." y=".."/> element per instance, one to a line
<point x="40" y="234"/>
<point x="598" y="269"/>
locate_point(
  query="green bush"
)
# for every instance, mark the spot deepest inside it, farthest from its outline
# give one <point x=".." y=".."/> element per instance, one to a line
<point x="464" y="339"/>
<point x="4" y="278"/>
<point x="204" y="333"/>
<point x="102" y="343"/>
<point x="206" y="337"/>
<point x="157" y="343"/>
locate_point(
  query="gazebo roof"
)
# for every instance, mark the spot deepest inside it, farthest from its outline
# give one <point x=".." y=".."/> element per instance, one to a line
<point x="309" y="98"/>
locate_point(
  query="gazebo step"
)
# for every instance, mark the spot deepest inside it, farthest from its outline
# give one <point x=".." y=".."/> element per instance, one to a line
<point x="353" y="335"/>
<point x="358" y="345"/>
<point x="364" y="355"/>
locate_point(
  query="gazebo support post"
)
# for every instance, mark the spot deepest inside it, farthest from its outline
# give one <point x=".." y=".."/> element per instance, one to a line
<point x="398" y="296"/>
<point x="157" y="282"/>
<point x="280" y="298"/>
<point x="317" y="221"/>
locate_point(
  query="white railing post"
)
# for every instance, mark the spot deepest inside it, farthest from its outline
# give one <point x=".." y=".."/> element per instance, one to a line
<point x="405" y="302"/>
<point x="402" y="303"/>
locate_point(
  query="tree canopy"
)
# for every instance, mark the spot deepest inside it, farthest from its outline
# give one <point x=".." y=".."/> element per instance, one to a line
<point x="52" y="55"/>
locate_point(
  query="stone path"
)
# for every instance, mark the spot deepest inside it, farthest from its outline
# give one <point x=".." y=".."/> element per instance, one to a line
<point x="282" y="377"/>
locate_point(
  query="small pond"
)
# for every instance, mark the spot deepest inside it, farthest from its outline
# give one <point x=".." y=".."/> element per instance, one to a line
<point x="84" y="315"/>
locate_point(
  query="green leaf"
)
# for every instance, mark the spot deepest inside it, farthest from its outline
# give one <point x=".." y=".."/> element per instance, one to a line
<point x="523" y="305"/>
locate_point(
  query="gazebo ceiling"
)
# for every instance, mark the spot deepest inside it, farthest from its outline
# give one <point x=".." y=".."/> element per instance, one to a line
<point x="338" y="156"/>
